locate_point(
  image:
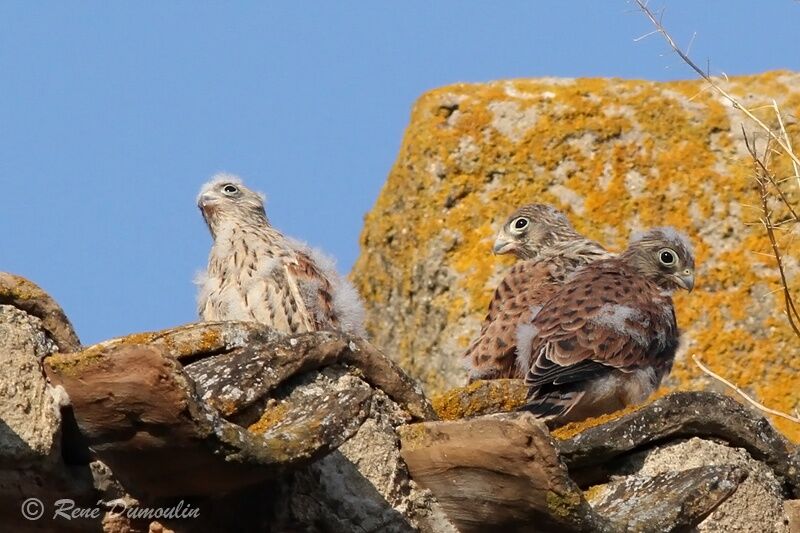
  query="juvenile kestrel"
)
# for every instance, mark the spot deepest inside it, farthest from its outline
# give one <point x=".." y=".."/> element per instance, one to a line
<point x="257" y="274"/>
<point x="552" y="249"/>
<point x="608" y="336"/>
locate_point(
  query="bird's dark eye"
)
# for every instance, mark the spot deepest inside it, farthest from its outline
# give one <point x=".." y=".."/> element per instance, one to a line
<point x="667" y="257"/>
<point x="520" y="223"/>
<point x="230" y="189"/>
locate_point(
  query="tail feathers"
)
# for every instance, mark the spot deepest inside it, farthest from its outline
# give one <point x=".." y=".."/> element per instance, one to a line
<point x="552" y="405"/>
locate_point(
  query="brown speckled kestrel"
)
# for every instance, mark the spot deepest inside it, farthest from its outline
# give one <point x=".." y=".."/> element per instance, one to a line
<point x="608" y="336"/>
<point x="257" y="274"/>
<point x="551" y="249"/>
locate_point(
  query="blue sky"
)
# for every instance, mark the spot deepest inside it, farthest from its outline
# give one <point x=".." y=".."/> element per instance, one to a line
<point x="112" y="114"/>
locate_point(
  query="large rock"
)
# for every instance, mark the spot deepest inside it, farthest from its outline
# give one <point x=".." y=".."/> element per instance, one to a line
<point x="29" y="409"/>
<point x="755" y="506"/>
<point x="37" y="463"/>
<point x="691" y="459"/>
<point x="225" y="414"/>
<point x="616" y="155"/>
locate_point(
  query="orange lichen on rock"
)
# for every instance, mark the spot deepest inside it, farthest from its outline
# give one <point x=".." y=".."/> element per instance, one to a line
<point x="616" y="155"/>
<point x="480" y="397"/>
<point x="269" y="418"/>
<point x="573" y="428"/>
<point x="73" y="363"/>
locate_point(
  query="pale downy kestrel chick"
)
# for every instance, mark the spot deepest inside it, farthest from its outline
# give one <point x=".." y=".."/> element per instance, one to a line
<point x="608" y="336"/>
<point x="552" y="249"/>
<point x="257" y="274"/>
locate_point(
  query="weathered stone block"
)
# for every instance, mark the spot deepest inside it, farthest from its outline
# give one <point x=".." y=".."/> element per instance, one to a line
<point x="616" y="155"/>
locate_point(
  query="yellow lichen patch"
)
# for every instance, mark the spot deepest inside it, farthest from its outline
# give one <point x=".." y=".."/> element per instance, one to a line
<point x="180" y="344"/>
<point x="563" y="505"/>
<point x="78" y="359"/>
<point x="21" y="289"/>
<point x="180" y="341"/>
<point x="593" y="492"/>
<point x="480" y="397"/>
<point x="616" y="155"/>
<point x="572" y="429"/>
<point x="209" y="340"/>
<point x="414" y="437"/>
<point x="226" y="406"/>
<point x="71" y="363"/>
<point x="269" y="418"/>
<point x="134" y="339"/>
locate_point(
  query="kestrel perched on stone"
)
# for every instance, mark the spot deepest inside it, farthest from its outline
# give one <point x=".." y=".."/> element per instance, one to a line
<point x="551" y="249"/>
<point x="255" y="273"/>
<point x="608" y="336"/>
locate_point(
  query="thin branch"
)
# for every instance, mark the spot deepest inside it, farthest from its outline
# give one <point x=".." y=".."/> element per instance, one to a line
<point x="762" y="171"/>
<point x="734" y="102"/>
<point x="766" y="174"/>
<point x="786" y="138"/>
<point x="779" y="289"/>
<point x="779" y="225"/>
<point x="645" y="36"/>
<point x="764" y="177"/>
<point x="787" y="178"/>
<point x="741" y="393"/>
<point x="689" y="46"/>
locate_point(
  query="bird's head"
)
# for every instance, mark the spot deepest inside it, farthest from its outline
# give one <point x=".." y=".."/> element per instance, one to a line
<point x="225" y="199"/>
<point x="663" y="255"/>
<point x="532" y="228"/>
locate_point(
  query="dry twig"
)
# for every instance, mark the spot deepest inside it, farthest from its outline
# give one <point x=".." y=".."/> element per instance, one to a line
<point x="707" y="77"/>
<point x="764" y="177"/>
<point x="788" y="140"/>
<point x="741" y="393"/>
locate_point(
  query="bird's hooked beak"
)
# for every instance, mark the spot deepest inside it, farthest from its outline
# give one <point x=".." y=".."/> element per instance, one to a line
<point x="205" y="200"/>
<point x="503" y="244"/>
<point x="207" y="203"/>
<point x="685" y="279"/>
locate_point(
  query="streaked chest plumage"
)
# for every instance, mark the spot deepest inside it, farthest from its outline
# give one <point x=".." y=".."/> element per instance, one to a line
<point x="247" y="279"/>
